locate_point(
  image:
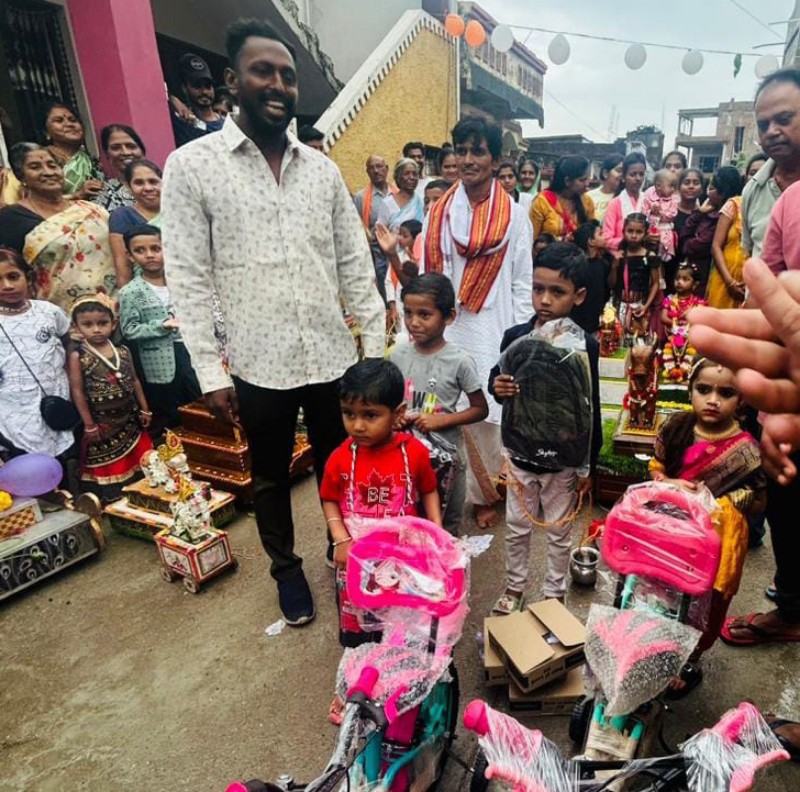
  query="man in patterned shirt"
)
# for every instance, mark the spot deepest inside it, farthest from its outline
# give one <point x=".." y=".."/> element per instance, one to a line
<point x="268" y="223"/>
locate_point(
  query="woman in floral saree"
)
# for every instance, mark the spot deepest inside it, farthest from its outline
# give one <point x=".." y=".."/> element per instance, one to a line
<point x="65" y="241"/>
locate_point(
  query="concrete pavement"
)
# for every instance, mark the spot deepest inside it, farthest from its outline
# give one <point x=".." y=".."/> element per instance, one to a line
<point x="113" y="679"/>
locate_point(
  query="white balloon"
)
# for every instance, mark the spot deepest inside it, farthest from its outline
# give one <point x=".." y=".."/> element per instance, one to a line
<point x="635" y="56"/>
<point x="502" y="38"/>
<point x="558" y="51"/>
<point x="765" y="65"/>
<point x="692" y="62"/>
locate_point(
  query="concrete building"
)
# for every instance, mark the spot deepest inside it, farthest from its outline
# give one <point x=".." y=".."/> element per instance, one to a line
<point x="729" y="136"/>
<point x="379" y="109"/>
<point x="505" y="86"/>
<point x="115" y="59"/>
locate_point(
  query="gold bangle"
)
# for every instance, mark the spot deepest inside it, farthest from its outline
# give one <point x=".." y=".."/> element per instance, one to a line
<point x="334" y="519"/>
<point x="342" y="541"/>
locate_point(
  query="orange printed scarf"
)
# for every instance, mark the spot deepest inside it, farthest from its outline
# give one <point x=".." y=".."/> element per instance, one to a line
<point x="484" y="251"/>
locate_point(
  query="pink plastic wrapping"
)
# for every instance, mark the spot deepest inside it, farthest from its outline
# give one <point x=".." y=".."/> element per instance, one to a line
<point x="412" y="578"/>
<point x="663" y="532"/>
<point x="522" y="757"/>
<point x="634" y="654"/>
<point x="727" y="757"/>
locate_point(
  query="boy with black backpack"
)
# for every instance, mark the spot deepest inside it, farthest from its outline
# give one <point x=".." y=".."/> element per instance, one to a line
<point x="548" y="383"/>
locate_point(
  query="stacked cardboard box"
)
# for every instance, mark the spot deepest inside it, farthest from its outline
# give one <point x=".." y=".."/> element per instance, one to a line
<point x="537" y="653"/>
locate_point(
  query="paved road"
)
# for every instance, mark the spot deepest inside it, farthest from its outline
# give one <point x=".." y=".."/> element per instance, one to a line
<point x="113" y="679"/>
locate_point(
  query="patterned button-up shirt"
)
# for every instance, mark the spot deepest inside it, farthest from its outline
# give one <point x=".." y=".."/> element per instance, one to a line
<point x="278" y="253"/>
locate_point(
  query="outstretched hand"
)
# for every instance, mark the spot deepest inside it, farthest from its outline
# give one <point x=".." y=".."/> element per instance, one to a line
<point x="386" y="239"/>
<point x="762" y="345"/>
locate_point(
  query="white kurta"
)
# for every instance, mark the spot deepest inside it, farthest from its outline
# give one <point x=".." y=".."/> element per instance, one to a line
<point x="509" y="302"/>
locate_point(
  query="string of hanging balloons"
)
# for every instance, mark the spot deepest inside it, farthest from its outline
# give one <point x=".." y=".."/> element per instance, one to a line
<point x="502" y="39"/>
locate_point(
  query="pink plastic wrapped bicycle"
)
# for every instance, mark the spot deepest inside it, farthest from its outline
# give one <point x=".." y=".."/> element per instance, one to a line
<point x="724" y="758"/>
<point x="411" y="578"/>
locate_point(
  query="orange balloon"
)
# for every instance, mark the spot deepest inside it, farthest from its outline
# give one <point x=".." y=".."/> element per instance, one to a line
<point x="474" y="33"/>
<point x="454" y="25"/>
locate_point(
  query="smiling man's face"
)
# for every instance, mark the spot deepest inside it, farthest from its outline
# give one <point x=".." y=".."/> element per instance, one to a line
<point x="264" y="79"/>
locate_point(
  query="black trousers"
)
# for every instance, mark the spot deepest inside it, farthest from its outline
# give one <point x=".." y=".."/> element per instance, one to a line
<point x="269" y="418"/>
<point x="164" y="399"/>
<point x="781" y="503"/>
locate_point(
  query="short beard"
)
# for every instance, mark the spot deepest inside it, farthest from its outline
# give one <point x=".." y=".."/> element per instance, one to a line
<point x="268" y="129"/>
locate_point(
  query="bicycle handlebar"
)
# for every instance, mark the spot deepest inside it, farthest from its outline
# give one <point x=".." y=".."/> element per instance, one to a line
<point x="476" y="718"/>
<point x="366" y="682"/>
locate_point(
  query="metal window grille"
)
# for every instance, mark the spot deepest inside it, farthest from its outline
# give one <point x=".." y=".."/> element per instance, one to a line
<point x="38" y="68"/>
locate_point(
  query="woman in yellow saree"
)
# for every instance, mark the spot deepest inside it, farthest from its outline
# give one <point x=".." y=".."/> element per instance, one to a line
<point x="66" y="242"/>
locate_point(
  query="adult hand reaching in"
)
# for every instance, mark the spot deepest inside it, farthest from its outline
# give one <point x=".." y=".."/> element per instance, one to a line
<point x="763" y="346"/>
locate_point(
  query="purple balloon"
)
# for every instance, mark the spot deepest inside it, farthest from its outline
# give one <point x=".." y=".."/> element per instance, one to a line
<point x="30" y="475"/>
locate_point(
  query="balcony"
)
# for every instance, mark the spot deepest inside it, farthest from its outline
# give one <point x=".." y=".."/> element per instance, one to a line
<point x="490" y="91"/>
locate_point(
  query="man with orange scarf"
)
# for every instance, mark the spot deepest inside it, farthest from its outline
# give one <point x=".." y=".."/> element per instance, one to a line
<point x="479" y="238"/>
<point x="369" y="203"/>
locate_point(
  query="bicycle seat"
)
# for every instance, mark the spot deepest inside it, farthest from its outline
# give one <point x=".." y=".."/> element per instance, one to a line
<point x="665" y="533"/>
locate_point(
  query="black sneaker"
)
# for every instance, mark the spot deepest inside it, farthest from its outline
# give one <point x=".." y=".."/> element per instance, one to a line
<point x="295" y="600"/>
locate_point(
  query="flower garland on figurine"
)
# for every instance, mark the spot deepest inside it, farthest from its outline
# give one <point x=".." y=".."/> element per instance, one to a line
<point x="677" y="354"/>
<point x="677" y="358"/>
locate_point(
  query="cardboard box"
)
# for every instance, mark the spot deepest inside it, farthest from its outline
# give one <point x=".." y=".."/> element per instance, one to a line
<point x="540" y="644"/>
<point x="556" y="698"/>
<point x="494" y="670"/>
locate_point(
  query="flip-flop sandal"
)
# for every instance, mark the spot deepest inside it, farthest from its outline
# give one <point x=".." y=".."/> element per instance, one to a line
<point x="757" y="634"/>
<point x="790" y="748"/>
<point x="507" y="604"/>
<point x="771" y="593"/>
<point x="691" y="675"/>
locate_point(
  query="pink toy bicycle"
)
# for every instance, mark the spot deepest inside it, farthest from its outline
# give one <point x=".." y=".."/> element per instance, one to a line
<point x="661" y="542"/>
<point x="401" y="695"/>
<point x="724" y="758"/>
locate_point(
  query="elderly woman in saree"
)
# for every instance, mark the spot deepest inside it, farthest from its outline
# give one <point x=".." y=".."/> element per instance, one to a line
<point x="65" y="241"/>
<point x="405" y="204"/>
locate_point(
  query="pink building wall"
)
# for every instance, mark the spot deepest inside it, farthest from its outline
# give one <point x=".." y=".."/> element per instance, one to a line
<point x="115" y="43"/>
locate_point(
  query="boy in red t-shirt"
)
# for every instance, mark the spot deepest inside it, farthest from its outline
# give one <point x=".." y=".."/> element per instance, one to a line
<point x="377" y="472"/>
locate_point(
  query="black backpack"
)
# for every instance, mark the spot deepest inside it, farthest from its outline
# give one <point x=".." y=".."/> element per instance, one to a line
<point x="549" y="422"/>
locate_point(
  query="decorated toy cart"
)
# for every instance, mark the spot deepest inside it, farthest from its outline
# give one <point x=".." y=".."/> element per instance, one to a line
<point x="147" y="506"/>
<point x="197" y="562"/>
<point x="43" y="531"/>
<point x="190" y="547"/>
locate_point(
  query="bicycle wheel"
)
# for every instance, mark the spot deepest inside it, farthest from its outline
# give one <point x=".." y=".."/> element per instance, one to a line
<point x="579" y="720"/>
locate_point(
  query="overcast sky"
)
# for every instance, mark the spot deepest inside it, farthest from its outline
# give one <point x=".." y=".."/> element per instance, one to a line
<point x="595" y="78"/>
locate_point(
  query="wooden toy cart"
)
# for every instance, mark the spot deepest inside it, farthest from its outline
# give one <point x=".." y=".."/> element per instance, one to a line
<point x="195" y="563"/>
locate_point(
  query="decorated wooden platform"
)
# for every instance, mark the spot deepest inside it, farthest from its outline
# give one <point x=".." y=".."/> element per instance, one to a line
<point x="51" y="537"/>
<point x="129" y="516"/>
